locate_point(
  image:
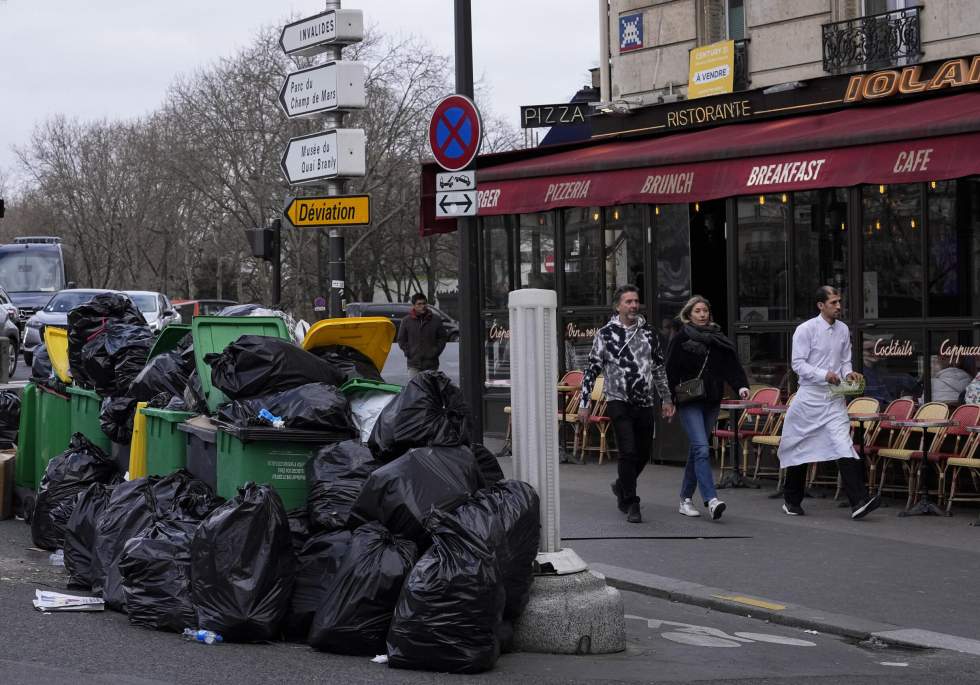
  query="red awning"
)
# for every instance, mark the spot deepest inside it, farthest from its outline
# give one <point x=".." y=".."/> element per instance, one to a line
<point x="927" y="140"/>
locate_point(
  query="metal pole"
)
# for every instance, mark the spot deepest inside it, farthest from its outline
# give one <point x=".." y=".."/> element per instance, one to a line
<point x="276" y="263"/>
<point x="470" y="326"/>
<point x="338" y="265"/>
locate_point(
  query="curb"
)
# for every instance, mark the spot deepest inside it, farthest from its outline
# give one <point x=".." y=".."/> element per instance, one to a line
<point x="787" y="614"/>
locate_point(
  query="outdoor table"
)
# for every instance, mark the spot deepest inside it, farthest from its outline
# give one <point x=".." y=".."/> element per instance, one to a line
<point x="563" y="456"/>
<point x="924" y="506"/>
<point x="735" y="479"/>
<point x="974" y="429"/>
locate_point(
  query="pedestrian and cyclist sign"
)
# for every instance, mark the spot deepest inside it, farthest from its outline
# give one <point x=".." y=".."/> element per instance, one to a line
<point x="455" y="132"/>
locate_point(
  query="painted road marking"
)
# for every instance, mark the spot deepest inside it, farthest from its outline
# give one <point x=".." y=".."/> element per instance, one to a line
<point x="696" y="640"/>
<point x="706" y="636"/>
<point x="777" y="639"/>
<point x="752" y="602"/>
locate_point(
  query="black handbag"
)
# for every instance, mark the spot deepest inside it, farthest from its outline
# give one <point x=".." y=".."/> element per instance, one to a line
<point x="692" y="390"/>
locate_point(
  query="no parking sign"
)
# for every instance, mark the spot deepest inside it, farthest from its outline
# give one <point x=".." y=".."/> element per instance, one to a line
<point x="455" y="132"/>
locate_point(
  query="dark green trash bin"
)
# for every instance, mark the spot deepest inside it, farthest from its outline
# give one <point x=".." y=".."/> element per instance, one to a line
<point x="53" y="427"/>
<point x="25" y="469"/>
<point x="166" y="447"/>
<point x="86" y="406"/>
<point x="279" y="464"/>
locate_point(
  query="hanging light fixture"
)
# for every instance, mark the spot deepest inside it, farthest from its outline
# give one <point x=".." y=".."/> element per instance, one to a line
<point x="784" y="198"/>
<point x="697" y="206"/>
<point x="932" y="184"/>
<point x="881" y="190"/>
<point x="762" y="199"/>
<point x="877" y="225"/>
<point x="615" y="215"/>
<point x="656" y="210"/>
<point x="913" y="223"/>
<point x="595" y="216"/>
<point x="842" y="225"/>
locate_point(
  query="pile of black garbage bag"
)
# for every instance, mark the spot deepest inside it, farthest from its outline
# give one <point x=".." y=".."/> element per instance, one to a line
<point x="9" y="418"/>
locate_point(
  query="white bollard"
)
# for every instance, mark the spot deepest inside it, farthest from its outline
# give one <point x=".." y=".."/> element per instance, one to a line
<point x="571" y="610"/>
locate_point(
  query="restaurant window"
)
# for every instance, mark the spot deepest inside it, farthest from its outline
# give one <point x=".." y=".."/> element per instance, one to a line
<point x="820" y="247"/>
<point x="763" y="264"/>
<point x="577" y="334"/>
<point x="583" y="256"/>
<point x="496" y="350"/>
<point x="954" y="247"/>
<point x="536" y="256"/>
<point x="672" y="224"/>
<point x="892" y="232"/>
<point x="496" y="261"/>
<point x="893" y="365"/>
<point x="953" y="363"/>
<point x="765" y="356"/>
<point x="624" y="230"/>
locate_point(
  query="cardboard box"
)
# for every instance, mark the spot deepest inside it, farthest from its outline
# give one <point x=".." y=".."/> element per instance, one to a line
<point x="6" y="483"/>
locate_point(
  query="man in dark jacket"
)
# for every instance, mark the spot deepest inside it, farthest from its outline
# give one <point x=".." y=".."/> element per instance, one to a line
<point x="421" y="336"/>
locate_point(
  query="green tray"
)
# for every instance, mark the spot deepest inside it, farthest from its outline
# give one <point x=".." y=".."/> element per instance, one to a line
<point x="356" y="385"/>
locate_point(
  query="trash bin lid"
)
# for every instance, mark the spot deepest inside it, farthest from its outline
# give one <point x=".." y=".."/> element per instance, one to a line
<point x="56" y="341"/>
<point x="215" y="333"/>
<point x="169" y="338"/>
<point x="370" y="335"/>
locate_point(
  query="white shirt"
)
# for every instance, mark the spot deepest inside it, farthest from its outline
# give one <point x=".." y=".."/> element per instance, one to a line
<point x="819" y="347"/>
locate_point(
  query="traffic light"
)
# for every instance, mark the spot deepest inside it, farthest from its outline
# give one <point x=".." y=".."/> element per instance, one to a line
<point x="260" y="240"/>
<point x="1" y="207"/>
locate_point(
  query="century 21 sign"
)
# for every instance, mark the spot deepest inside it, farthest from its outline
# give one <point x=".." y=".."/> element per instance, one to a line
<point x="952" y="73"/>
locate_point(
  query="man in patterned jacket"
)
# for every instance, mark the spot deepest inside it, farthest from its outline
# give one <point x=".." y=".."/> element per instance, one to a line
<point x="626" y="351"/>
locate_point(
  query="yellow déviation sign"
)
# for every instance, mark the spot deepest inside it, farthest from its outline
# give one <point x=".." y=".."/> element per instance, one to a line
<point x="334" y="210"/>
<point x="712" y="70"/>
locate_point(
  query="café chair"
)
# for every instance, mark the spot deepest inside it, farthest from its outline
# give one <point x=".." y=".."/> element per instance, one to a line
<point x="953" y="444"/>
<point x="884" y="434"/>
<point x="750" y="424"/>
<point x="967" y="462"/>
<point x="859" y="405"/>
<point x="770" y="438"/>
<point x="901" y="454"/>
<point x="597" y="420"/>
<point x="567" y="410"/>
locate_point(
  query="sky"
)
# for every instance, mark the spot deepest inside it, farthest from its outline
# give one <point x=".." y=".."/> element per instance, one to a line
<point x="114" y="59"/>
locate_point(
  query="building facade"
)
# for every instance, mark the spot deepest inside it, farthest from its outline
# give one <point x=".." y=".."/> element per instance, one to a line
<point x="855" y="167"/>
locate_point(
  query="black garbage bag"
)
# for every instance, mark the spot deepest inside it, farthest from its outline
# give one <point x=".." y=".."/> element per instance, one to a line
<point x="317" y="562"/>
<point x="194" y="395"/>
<point x="356" y="606"/>
<point x="429" y="412"/>
<point x="514" y="506"/>
<point x="24" y="499"/>
<point x="314" y="406"/>
<point x="335" y="476"/>
<point x="9" y="418"/>
<point x="67" y="474"/>
<point x="134" y="507"/>
<point x="80" y="534"/>
<point x="257" y="365"/>
<point x="176" y="404"/>
<point x="116" y="418"/>
<point x="349" y="363"/>
<point x="41" y="368"/>
<point x="88" y="320"/>
<point x="487" y="461"/>
<point x="299" y="527"/>
<point x="402" y="493"/>
<point x="115" y="355"/>
<point x="165" y="373"/>
<point x="156" y="576"/>
<point x="242" y="566"/>
<point x="247" y="309"/>
<point x="451" y="604"/>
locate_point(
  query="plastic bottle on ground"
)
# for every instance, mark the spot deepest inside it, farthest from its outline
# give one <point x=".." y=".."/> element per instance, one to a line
<point x="205" y="636"/>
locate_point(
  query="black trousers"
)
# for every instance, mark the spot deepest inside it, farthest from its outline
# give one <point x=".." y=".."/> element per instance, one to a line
<point x="634" y="428"/>
<point x="851" y="476"/>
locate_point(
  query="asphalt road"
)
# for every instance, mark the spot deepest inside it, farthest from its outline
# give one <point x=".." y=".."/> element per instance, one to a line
<point x="667" y="643"/>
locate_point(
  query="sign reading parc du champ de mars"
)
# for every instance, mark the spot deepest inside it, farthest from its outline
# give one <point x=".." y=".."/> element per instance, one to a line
<point x="820" y="94"/>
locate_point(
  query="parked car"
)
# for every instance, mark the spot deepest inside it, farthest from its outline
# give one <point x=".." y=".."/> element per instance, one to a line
<point x="7" y="304"/>
<point x="11" y="332"/>
<point x="155" y="307"/>
<point x="188" y="309"/>
<point x="396" y="311"/>
<point x="54" y="313"/>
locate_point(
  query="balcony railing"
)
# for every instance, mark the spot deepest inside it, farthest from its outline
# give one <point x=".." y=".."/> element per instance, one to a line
<point x="741" y="79"/>
<point x="872" y="42"/>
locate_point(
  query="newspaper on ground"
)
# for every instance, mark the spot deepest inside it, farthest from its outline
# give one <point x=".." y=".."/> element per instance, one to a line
<point x="45" y="600"/>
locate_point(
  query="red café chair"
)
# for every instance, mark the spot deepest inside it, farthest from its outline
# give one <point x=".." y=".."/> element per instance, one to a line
<point x="957" y="438"/>
<point x="884" y="434"/>
<point x="751" y="423"/>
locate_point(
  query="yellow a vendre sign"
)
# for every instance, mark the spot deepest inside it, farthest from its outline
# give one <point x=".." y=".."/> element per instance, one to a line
<point x="712" y="70"/>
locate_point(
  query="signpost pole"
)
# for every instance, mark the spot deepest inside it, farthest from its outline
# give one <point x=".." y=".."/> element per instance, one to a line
<point x="277" y="263"/>
<point x="471" y="330"/>
<point x="337" y="265"/>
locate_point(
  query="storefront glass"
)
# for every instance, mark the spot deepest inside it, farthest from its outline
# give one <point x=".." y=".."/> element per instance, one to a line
<point x="583" y="256"/>
<point x="953" y="363"/>
<point x="764" y="222"/>
<point x="496" y="261"/>
<point x="673" y="259"/>
<point x="892" y="230"/>
<point x="765" y="356"/>
<point x="496" y="350"/>
<point x="954" y="247"/>
<point x="623" y="241"/>
<point x="893" y="364"/>
<point x="577" y="334"/>
<point x="820" y="245"/>
<point x="536" y="255"/>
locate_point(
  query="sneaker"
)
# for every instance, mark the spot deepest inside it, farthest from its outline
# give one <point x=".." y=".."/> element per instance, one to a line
<point x="793" y="509"/>
<point x="620" y="502"/>
<point x="687" y="508"/>
<point x="634" y="513"/>
<point x="716" y="508"/>
<point x="865" y="507"/>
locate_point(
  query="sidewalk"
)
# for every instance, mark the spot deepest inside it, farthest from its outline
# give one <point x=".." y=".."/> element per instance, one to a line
<point x="821" y="571"/>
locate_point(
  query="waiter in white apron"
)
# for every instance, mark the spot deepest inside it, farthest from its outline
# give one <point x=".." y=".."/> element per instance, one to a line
<point x="817" y="427"/>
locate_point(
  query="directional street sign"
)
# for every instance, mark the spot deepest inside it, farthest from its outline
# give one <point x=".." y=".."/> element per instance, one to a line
<point x="332" y="210"/>
<point x="315" y="34"/>
<point x="455" y="132"/>
<point x="330" y="86"/>
<point x="456" y="204"/>
<point x="330" y="154"/>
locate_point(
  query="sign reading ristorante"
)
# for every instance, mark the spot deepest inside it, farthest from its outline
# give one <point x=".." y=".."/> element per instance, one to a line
<point x="815" y="95"/>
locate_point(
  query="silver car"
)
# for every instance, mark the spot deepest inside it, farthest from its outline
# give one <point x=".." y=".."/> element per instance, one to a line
<point x="54" y="313"/>
<point x="155" y="307"/>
